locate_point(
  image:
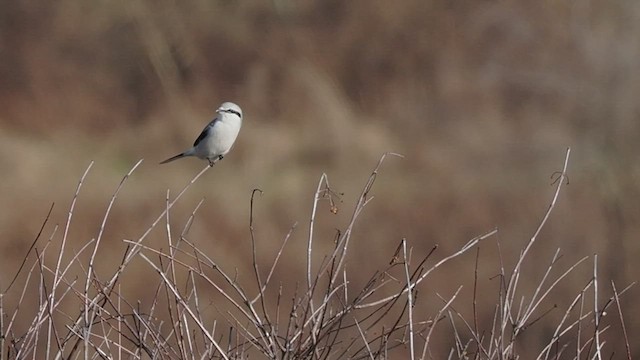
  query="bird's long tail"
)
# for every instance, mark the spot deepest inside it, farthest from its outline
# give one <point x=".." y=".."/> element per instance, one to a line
<point x="179" y="156"/>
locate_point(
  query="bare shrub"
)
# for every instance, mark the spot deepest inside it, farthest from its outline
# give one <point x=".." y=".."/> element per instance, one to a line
<point x="324" y="319"/>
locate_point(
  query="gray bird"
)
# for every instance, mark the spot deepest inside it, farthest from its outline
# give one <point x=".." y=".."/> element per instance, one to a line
<point x="217" y="137"/>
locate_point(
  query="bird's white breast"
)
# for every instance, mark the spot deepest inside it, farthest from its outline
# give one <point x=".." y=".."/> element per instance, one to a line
<point x="220" y="140"/>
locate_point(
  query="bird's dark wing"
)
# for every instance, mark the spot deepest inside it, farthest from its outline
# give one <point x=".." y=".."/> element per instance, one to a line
<point x="205" y="132"/>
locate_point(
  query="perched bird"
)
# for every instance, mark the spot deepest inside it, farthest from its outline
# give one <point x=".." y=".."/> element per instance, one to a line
<point x="217" y="137"/>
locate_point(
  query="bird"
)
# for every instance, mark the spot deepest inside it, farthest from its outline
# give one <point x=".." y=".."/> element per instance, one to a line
<point x="217" y="138"/>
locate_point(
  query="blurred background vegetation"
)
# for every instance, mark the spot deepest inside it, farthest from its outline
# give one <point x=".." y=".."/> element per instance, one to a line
<point x="482" y="98"/>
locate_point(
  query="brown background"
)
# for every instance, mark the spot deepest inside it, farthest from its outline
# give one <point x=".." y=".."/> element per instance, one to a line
<point x="482" y="98"/>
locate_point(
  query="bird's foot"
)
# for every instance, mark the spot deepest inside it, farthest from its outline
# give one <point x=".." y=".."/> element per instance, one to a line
<point x="215" y="160"/>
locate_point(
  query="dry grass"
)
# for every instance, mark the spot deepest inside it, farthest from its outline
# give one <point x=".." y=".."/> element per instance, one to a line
<point x="80" y="314"/>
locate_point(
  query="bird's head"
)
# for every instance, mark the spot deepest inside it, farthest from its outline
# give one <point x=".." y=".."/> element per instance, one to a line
<point x="230" y="108"/>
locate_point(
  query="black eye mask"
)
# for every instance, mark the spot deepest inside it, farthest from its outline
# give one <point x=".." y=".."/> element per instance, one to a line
<point x="233" y="112"/>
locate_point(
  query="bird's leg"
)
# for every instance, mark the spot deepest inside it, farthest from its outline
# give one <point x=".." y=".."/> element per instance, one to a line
<point x="215" y="160"/>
